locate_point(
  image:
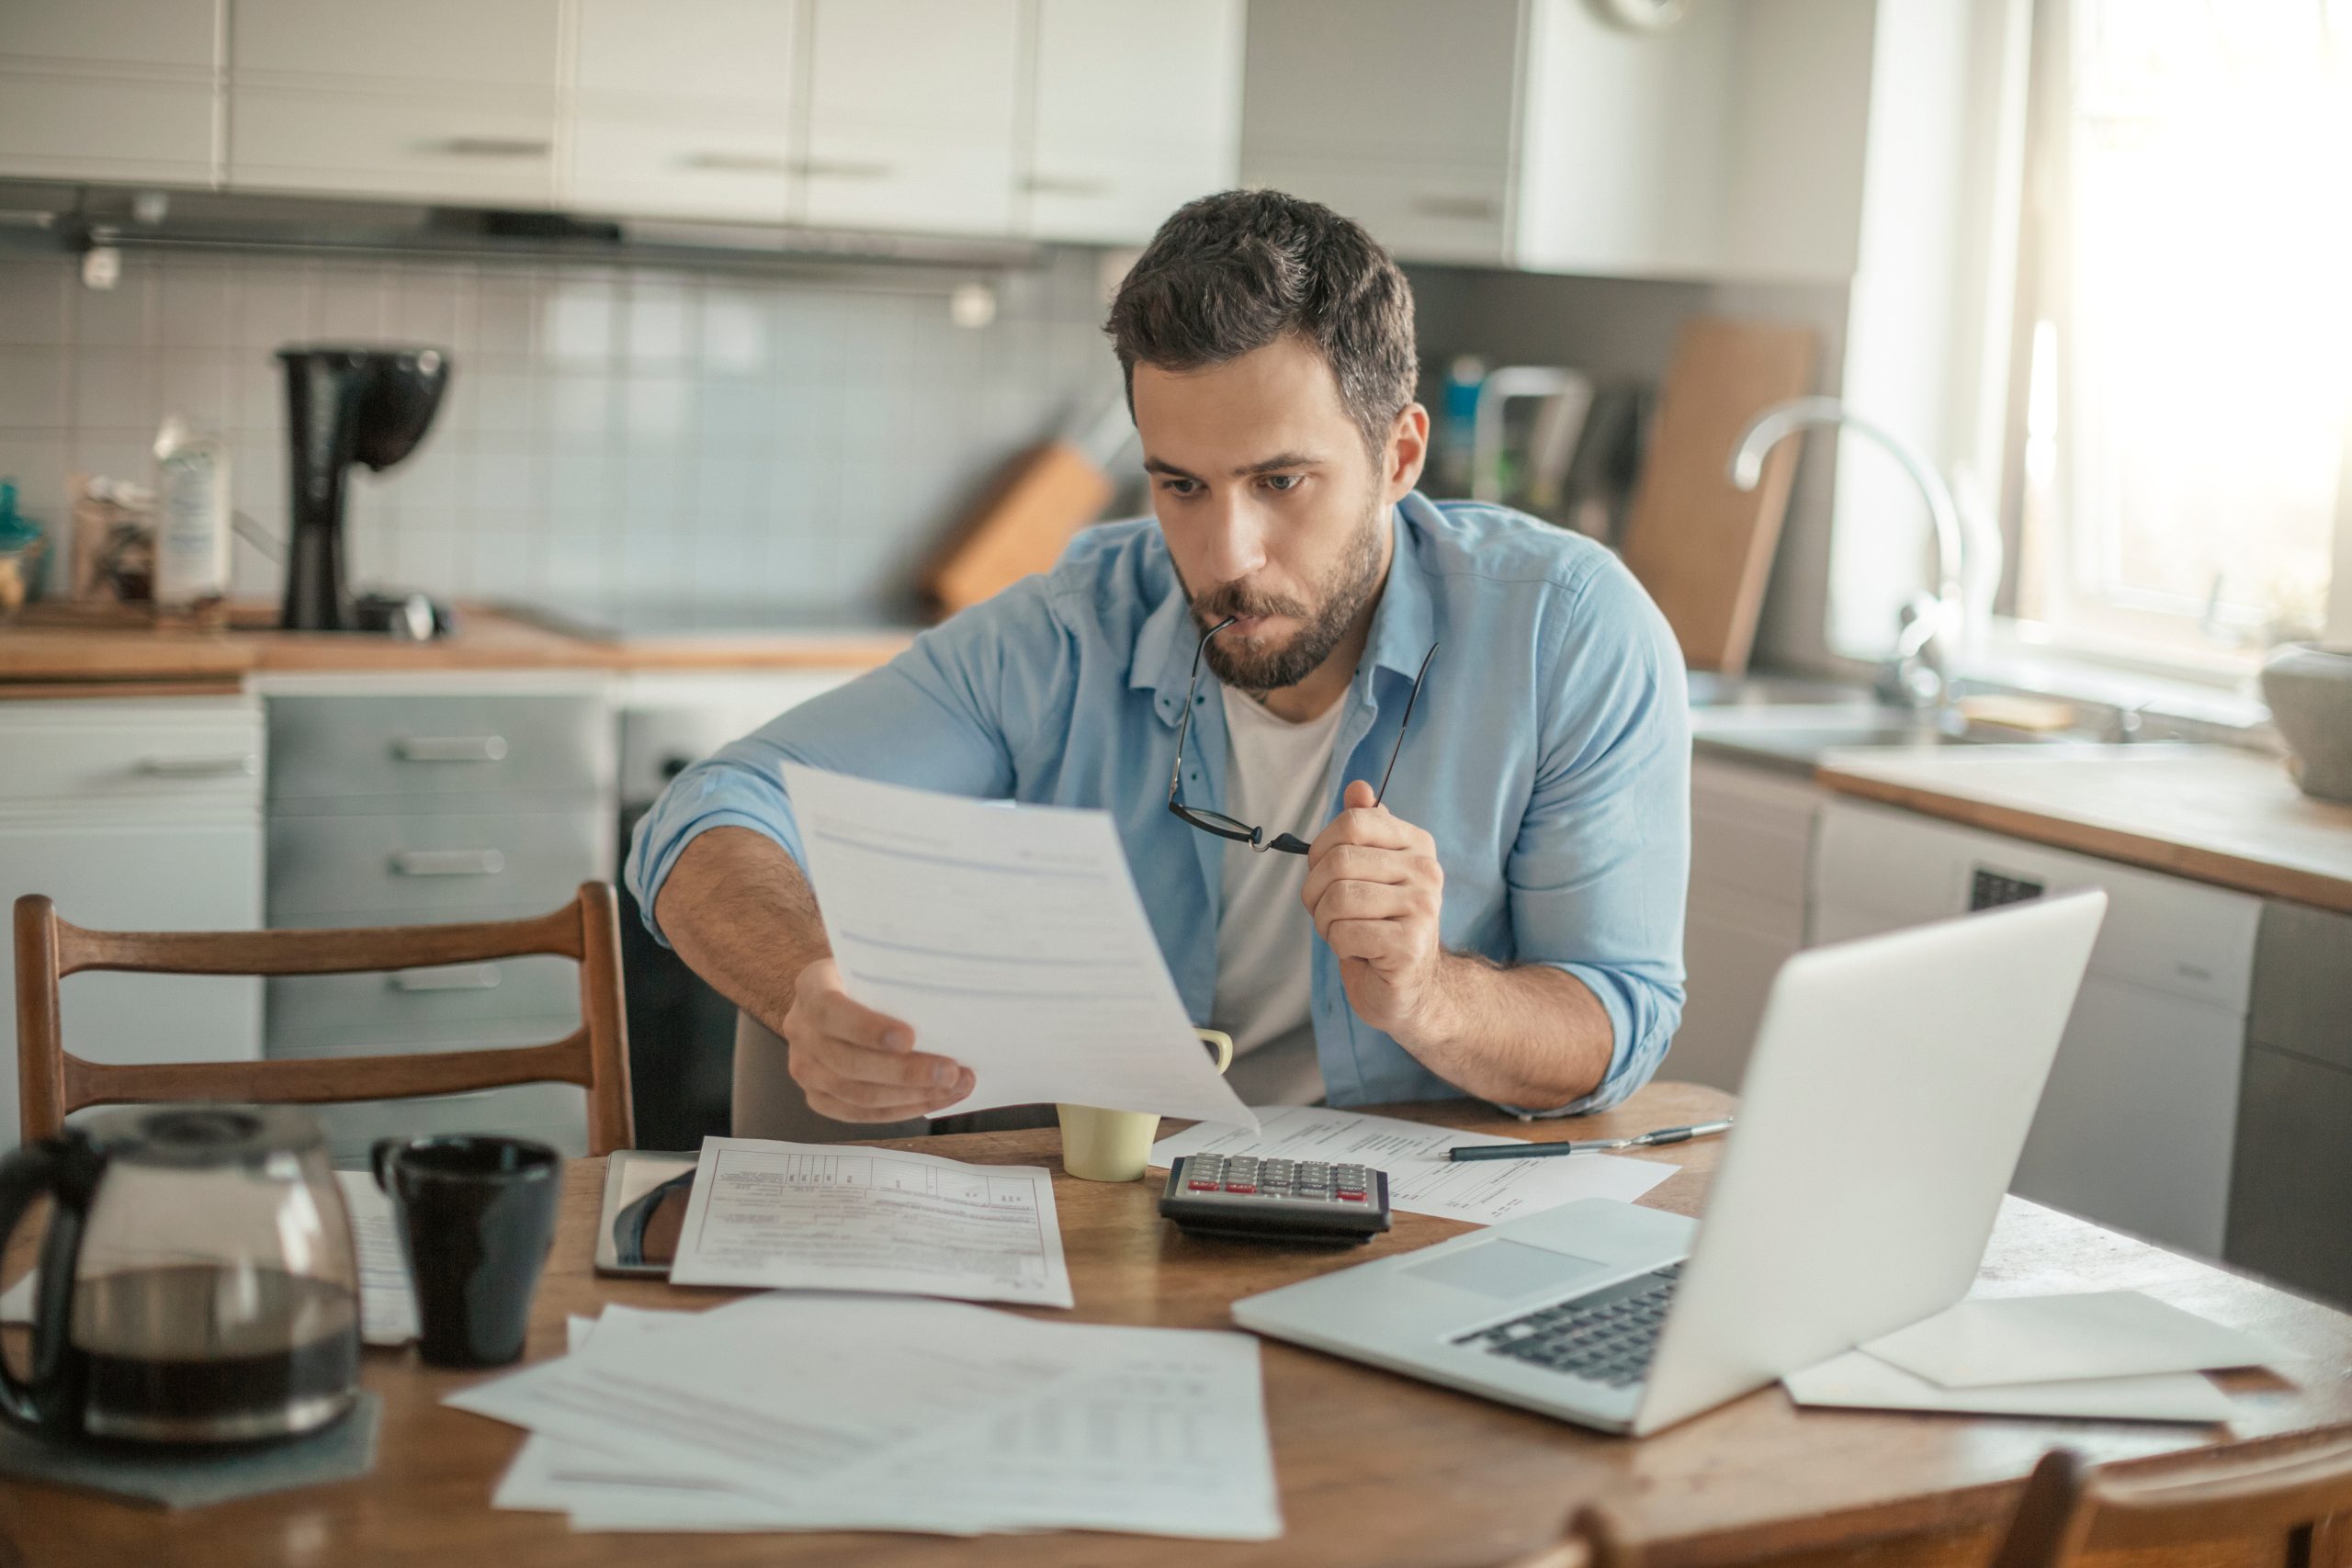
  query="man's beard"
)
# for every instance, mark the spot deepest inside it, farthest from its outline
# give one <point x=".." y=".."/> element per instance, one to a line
<point x="1347" y="589"/>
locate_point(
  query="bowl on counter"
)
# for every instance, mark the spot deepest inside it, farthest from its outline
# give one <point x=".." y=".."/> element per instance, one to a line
<point x="2309" y="688"/>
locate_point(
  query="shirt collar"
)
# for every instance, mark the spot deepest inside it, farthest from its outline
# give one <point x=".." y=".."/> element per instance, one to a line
<point x="1402" y="624"/>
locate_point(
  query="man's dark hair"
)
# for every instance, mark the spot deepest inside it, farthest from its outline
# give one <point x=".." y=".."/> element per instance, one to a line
<point x="1231" y="272"/>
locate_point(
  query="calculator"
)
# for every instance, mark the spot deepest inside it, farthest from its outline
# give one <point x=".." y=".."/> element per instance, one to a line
<point x="1275" y="1199"/>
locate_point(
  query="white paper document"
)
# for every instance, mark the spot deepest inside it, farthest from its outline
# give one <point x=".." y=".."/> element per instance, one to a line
<point x="842" y="1217"/>
<point x="1013" y="1424"/>
<point x="387" y="1299"/>
<point x="1010" y="939"/>
<point x="1421" y="1180"/>
<point x="2104" y="1334"/>
<point x="1858" y="1380"/>
<point x="387" y="1296"/>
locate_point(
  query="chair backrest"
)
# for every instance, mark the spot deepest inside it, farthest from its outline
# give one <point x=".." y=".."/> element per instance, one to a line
<point x="1595" y="1538"/>
<point x="2301" y="1493"/>
<point x="51" y="1082"/>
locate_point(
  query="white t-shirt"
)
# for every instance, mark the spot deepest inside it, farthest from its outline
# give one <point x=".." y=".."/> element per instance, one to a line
<point x="1278" y="777"/>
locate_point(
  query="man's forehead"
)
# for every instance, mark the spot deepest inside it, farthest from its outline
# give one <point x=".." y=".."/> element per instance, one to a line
<point x="1253" y="412"/>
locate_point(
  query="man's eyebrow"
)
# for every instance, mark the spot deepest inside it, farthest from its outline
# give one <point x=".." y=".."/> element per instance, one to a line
<point x="1276" y="463"/>
<point x="1154" y="466"/>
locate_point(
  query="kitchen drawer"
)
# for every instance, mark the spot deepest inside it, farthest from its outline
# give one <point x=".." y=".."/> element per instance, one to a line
<point x="460" y="148"/>
<point x="1750" y="833"/>
<point x="87" y="754"/>
<point x="2302" y="983"/>
<point x="553" y="1113"/>
<point x="406" y="751"/>
<point x="2292" y="1183"/>
<point x="451" y="1006"/>
<point x="332" y="871"/>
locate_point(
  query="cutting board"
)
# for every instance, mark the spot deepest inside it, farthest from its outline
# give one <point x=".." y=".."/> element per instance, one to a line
<point x="1703" y="548"/>
<point x="1021" y="526"/>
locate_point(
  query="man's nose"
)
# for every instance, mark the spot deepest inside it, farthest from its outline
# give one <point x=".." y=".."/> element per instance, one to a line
<point x="1235" y="541"/>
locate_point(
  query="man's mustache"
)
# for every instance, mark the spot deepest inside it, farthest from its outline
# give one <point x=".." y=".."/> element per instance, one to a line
<point x="1222" y="603"/>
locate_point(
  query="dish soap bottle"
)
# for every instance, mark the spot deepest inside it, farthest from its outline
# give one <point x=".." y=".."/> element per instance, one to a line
<point x="20" y="552"/>
<point x="191" y="519"/>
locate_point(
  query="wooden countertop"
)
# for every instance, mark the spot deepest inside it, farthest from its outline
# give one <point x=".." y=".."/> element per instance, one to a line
<point x="51" y="648"/>
<point x="1372" y="1468"/>
<point x="2213" y="813"/>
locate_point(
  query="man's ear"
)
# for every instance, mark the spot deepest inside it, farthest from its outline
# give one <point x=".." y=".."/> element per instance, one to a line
<point x="1407" y="453"/>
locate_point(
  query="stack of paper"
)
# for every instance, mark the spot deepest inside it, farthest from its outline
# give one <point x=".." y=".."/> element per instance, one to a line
<point x="836" y="1412"/>
<point x="2112" y="1354"/>
<point x="1421" y="1180"/>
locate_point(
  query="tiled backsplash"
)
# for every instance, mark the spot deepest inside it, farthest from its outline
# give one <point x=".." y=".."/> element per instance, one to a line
<point x="613" y="437"/>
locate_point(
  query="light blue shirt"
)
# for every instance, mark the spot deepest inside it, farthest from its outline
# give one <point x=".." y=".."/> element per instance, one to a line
<point x="1549" y="757"/>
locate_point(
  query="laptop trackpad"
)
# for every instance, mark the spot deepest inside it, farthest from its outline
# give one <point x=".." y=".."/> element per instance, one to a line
<point x="1508" y="1269"/>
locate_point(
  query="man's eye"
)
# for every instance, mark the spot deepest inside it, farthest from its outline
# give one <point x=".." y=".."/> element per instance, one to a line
<point x="1180" y="487"/>
<point x="1283" y="483"/>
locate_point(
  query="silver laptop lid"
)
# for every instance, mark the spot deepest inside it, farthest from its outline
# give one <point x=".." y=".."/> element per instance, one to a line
<point x="1880" y="1120"/>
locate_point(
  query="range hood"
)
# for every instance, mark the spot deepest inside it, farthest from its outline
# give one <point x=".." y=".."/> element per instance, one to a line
<point x="82" y="218"/>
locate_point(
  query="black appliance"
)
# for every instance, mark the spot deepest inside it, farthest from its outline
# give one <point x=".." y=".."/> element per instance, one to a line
<point x="347" y="405"/>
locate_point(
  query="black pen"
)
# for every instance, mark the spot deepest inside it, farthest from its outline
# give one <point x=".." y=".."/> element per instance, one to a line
<point x="1591" y="1146"/>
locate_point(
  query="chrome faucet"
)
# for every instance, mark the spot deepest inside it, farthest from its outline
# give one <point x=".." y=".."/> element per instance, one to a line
<point x="1916" y="675"/>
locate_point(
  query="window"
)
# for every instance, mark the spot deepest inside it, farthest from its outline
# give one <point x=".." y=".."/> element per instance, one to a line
<point x="2180" y="375"/>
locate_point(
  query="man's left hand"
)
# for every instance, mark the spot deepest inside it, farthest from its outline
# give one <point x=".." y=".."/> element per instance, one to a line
<point x="1374" y="890"/>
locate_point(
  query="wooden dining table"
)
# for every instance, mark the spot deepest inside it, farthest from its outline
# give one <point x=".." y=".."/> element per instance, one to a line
<point x="1373" y="1469"/>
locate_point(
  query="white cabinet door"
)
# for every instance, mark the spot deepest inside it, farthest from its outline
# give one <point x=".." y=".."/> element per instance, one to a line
<point x="108" y="90"/>
<point x="139" y="877"/>
<point x="1400" y="114"/>
<point x="1114" y="150"/>
<point x="683" y="107"/>
<point x="912" y="115"/>
<point x="433" y="100"/>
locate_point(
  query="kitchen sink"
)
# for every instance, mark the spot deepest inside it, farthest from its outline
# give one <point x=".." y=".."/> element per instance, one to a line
<point x="1794" y="736"/>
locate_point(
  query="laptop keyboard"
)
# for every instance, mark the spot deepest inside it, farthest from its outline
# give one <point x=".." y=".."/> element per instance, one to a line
<point x="1605" y="1337"/>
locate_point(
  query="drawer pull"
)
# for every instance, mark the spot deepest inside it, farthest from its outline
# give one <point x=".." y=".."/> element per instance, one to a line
<point x="242" y="765"/>
<point x="846" y="169"/>
<point x="1058" y="185"/>
<point x="737" y="163"/>
<point x="1475" y="208"/>
<point x="450" y="748"/>
<point x="450" y="978"/>
<point x="497" y="147"/>
<point x="448" y="862"/>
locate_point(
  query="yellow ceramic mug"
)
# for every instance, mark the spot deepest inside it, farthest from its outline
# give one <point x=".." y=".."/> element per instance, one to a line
<point x="1114" y="1145"/>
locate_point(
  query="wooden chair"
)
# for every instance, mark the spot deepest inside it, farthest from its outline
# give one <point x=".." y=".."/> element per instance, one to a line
<point x="595" y="1055"/>
<point x="1595" y="1538"/>
<point x="2299" y="1494"/>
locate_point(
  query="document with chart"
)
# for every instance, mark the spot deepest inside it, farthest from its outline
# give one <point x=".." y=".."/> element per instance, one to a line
<point x="843" y="1217"/>
<point x="1011" y="939"/>
<point x="1421" y="1180"/>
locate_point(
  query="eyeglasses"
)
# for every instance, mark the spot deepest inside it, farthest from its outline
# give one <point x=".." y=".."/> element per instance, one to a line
<point x="1225" y="827"/>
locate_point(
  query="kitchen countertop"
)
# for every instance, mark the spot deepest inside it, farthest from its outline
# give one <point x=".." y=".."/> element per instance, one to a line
<point x="2213" y="813"/>
<point x="57" y="649"/>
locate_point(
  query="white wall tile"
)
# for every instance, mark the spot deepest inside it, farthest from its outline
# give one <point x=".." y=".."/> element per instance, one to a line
<point x="580" y="325"/>
<point x="32" y="303"/>
<point x="196" y="306"/>
<point x="115" y="389"/>
<point x="32" y="390"/>
<point x="116" y="317"/>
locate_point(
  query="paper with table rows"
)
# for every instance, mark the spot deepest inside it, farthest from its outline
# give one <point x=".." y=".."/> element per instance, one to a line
<point x="845" y="1217"/>
<point x="846" y="1413"/>
<point x="1421" y="1180"/>
<point x="1010" y="938"/>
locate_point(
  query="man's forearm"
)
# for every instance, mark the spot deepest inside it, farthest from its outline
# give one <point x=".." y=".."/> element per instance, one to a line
<point x="1527" y="1034"/>
<point x="737" y="909"/>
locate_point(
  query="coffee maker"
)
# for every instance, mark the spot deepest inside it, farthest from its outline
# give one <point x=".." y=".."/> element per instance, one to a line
<point x="346" y="406"/>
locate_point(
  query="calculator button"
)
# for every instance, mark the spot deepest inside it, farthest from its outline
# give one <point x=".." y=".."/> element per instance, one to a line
<point x="1202" y="1186"/>
<point x="1239" y="1187"/>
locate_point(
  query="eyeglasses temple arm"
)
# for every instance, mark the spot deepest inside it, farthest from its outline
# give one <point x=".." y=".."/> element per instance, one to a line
<point x="1415" y="695"/>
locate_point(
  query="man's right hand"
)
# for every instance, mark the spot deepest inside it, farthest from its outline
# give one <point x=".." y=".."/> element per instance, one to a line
<point x="857" y="1064"/>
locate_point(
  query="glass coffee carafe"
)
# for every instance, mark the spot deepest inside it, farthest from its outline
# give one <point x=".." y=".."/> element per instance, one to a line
<point x="197" y="1283"/>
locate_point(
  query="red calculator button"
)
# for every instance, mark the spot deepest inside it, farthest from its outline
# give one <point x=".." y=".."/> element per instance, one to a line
<point x="1351" y="1197"/>
<point x="1238" y="1187"/>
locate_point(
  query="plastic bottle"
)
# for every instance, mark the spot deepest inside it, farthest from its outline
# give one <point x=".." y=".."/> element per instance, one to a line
<point x="1457" y="425"/>
<point x="191" y="518"/>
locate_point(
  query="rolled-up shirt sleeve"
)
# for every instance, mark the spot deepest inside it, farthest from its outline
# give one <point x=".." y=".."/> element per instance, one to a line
<point x="1599" y="875"/>
<point x="935" y="717"/>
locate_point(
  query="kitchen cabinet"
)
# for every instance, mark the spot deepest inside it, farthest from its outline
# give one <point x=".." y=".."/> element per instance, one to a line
<point x="1751" y="836"/>
<point x="2292" y="1188"/>
<point x="2138" y="1126"/>
<point x="1534" y="133"/>
<point x="432" y="100"/>
<point x="1105" y="163"/>
<point x="685" y="108"/>
<point x="914" y="139"/>
<point x="110" y="90"/>
<point x="143" y="816"/>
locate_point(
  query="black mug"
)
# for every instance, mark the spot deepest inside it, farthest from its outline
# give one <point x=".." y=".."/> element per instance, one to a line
<point x="477" y="1216"/>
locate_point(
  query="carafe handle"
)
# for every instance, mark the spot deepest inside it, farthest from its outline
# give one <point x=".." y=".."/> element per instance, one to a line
<point x="26" y="1173"/>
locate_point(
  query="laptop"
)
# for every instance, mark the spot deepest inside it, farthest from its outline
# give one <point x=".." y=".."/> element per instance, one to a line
<point x="1880" y="1120"/>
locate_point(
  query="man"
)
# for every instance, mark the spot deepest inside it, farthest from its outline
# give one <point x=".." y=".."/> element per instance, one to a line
<point x="1504" y="922"/>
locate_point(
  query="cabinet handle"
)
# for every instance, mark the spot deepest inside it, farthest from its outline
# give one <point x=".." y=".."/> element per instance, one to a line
<point x="450" y="748"/>
<point x="448" y="862"/>
<point x="497" y="147"/>
<point x="1478" y="207"/>
<point x="737" y="163"/>
<point x="1054" y="184"/>
<point x="450" y="978"/>
<point x="846" y="169"/>
<point x="242" y="765"/>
